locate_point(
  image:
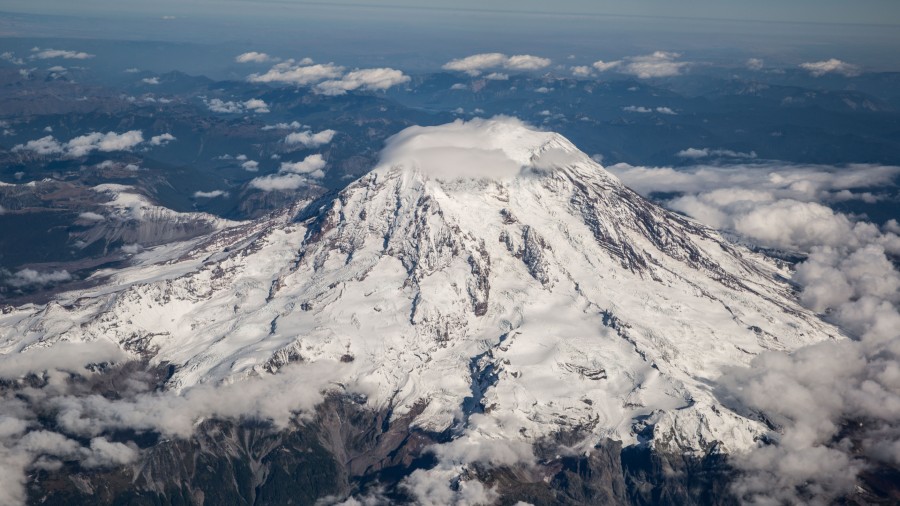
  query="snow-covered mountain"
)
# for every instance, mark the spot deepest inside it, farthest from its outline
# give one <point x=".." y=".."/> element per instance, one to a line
<point x="485" y="279"/>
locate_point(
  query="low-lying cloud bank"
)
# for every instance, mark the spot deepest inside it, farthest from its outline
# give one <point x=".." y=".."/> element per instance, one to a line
<point x="43" y="421"/>
<point x="835" y="406"/>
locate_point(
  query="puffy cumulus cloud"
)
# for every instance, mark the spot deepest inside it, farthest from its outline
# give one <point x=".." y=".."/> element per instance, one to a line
<point x="309" y="139"/>
<point x="582" y="71"/>
<point x="280" y="182"/>
<point x="657" y="64"/>
<point x="299" y="73"/>
<point x="367" y="79"/>
<point x="527" y="62"/>
<point x="292" y="175"/>
<point x="44" y="146"/>
<point x="603" y="66"/>
<point x="256" y="105"/>
<point x="250" y="166"/>
<point x="150" y="80"/>
<point x="834" y="406"/>
<point x="831" y="66"/>
<point x="161" y="139"/>
<point x="253" y="57"/>
<point x="46" y="54"/>
<point x="83" y="144"/>
<point x="312" y="166"/>
<point x="210" y="194"/>
<point x="231" y="107"/>
<point x="110" y="141"/>
<point x="477" y="63"/>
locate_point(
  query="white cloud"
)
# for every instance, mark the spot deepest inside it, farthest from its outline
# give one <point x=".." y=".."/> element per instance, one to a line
<point x="30" y="278"/>
<point x="250" y="166"/>
<point x="603" y="66"/>
<point x="231" y="107"/>
<point x="61" y="53"/>
<point x="755" y="64"/>
<point x="293" y="125"/>
<point x="110" y="141"/>
<point x="831" y="66"/>
<point x="697" y="153"/>
<point x="582" y="71"/>
<point x="459" y="86"/>
<point x="475" y="64"/>
<point x="90" y="216"/>
<point x="150" y="80"/>
<point x="526" y="62"/>
<point x="300" y="74"/>
<point x="309" y="139"/>
<point x="280" y="182"/>
<point x="657" y="64"/>
<point x="210" y="194"/>
<point x="11" y="57"/>
<point x="84" y="144"/>
<point x="292" y="175"/>
<point x="256" y="105"/>
<point x="497" y="76"/>
<point x="252" y="57"/>
<point x="367" y="79"/>
<point x="162" y="139"/>
<point x="821" y="396"/>
<point x="132" y="70"/>
<point x="311" y="166"/>
<point x="44" y="146"/>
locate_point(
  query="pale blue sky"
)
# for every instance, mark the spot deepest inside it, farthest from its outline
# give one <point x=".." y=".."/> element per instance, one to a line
<point x="818" y="11"/>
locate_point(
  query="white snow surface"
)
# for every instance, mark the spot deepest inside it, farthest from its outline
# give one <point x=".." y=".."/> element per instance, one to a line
<point x="483" y="250"/>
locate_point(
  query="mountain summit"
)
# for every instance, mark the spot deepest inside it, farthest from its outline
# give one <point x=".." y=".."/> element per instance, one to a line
<point x="486" y="281"/>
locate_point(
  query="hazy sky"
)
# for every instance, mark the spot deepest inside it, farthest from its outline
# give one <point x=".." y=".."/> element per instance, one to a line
<point x="828" y="11"/>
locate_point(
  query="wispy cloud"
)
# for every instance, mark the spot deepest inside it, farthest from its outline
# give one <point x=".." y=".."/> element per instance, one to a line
<point x="46" y="54"/>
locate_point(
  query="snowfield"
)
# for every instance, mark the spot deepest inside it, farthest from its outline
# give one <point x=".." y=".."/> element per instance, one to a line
<point x="493" y="273"/>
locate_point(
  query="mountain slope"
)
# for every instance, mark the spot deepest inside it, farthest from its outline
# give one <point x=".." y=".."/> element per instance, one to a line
<point x="486" y="280"/>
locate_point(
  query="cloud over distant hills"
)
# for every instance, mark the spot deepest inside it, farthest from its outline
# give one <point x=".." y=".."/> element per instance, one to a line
<point x="656" y="64"/>
<point x="830" y="66"/>
<point x="328" y="78"/>
<point x="477" y="63"/>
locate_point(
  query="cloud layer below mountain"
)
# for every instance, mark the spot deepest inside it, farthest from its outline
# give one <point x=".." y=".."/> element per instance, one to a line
<point x="835" y="405"/>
